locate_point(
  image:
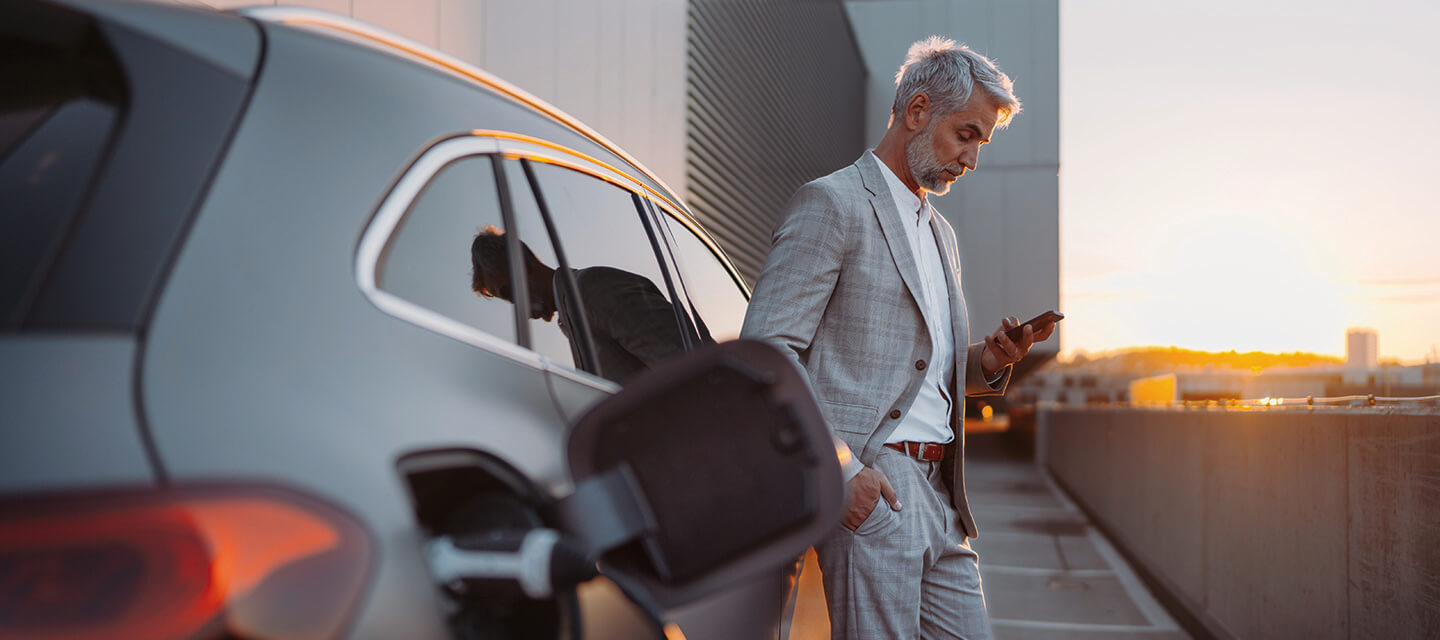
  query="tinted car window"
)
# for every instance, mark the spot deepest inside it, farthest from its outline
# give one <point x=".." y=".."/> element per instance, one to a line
<point x="625" y="298"/>
<point x="429" y="259"/>
<point x="714" y="296"/>
<point x="56" y="119"/>
<point x="109" y="227"/>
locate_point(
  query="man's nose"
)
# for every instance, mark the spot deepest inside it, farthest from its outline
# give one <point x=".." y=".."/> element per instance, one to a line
<point x="970" y="158"/>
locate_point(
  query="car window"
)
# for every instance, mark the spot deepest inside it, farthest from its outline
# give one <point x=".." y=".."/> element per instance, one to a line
<point x="624" y="298"/>
<point x="49" y="157"/>
<point x="430" y="260"/>
<point x="62" y="104"/>
<point x="715" y="297"/>
<point x="90" y="114"/>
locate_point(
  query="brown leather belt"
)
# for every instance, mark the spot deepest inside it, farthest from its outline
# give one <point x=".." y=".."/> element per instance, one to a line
<point x="923" y="451"/>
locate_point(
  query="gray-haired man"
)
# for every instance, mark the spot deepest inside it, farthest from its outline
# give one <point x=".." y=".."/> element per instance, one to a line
<point x="862" y="289"/>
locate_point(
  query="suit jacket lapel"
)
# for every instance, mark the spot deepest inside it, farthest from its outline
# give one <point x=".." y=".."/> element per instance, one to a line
<point x="883" y="205"/>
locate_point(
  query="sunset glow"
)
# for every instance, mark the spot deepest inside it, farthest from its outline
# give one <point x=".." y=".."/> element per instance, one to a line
<point x="1249" y="176"/>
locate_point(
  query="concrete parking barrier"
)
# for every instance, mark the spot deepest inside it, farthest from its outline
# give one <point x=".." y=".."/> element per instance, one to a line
<point x="1305" y="522"/>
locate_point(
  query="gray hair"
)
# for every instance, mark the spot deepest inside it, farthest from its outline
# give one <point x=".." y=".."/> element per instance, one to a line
<point x="948" y="73"/>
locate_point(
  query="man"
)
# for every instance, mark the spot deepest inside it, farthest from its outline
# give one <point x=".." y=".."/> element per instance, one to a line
<point x="632" y="326"/>
<point x="862" y="290"/>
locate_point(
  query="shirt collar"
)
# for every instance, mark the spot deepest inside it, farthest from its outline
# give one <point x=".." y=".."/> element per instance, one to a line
<point x="905" y="200"/>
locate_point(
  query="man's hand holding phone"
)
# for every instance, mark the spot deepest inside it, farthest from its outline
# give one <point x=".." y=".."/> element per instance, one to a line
<point x="1013" y="340"/>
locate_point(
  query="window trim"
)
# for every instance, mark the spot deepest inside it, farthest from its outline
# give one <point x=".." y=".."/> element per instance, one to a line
<point x="364" y="34"/>
<point x="522" y="146"/>
<point x="666" y="239"/>
<point x="379" y="233"/>
<point x="672" y="250"/>
<point x="689" y="223"/>
<point x="590" y="359"/>
<point x="519" y="279"/>
<point x="669" y="270"/>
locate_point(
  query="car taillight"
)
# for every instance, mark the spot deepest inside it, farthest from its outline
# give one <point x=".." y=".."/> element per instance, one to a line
<point x="252" y="562"/>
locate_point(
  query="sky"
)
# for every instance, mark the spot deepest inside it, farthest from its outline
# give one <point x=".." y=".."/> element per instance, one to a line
<point x="1254" y="175"/>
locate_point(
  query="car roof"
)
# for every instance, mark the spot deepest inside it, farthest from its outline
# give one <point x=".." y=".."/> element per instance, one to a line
<point x="380" y="39"/>
<point x="376" y="38"/>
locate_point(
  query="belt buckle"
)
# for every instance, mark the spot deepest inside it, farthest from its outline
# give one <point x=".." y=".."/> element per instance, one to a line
<point x="922" y="450"/>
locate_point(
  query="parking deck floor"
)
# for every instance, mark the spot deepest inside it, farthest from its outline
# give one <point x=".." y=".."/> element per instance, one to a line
<point x="1048" y="573"/>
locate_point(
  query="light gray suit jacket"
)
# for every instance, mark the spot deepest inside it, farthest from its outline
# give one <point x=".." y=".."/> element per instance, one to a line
<point x="840" y="294"/>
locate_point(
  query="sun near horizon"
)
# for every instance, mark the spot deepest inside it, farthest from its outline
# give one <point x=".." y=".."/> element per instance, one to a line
<point x="1255" y="176"/>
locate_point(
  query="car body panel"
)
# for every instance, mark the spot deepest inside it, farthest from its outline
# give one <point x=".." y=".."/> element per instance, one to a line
<point x="265" y="275"/>
<point x="177" y="119"/>
<point x="265" y="358"/>
<point x="68" y="414"/>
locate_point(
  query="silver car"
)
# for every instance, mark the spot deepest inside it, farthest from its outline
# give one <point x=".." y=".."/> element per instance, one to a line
<point x="310" y="331"/>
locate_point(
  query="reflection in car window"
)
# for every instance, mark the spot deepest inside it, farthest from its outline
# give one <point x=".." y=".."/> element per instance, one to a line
<point x="625" y="300"/>
<point x="714" y="295"/>
<point x="427" y="261"/>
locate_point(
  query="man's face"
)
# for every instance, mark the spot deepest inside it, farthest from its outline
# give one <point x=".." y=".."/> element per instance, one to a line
<point x="949" y="146"/>
<point x="542" y="300"/>
<point x="542" y="296"/>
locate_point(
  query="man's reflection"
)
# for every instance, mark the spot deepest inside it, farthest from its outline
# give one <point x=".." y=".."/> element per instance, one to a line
<point x="632" y="325"/>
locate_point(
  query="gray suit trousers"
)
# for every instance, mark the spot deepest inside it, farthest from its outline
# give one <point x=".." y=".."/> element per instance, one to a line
<point x="908" y="573"/>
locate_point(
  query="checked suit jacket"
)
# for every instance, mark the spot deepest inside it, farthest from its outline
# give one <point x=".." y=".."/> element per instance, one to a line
<point x="840" y="295"/>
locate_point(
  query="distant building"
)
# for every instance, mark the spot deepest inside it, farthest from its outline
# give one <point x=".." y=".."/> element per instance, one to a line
<point x="1362" y="351"/>
<point x="1362" y="355"/>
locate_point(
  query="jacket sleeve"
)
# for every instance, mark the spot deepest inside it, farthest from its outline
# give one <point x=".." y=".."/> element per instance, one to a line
<point x="807" y="252"/>
<point x="975" y="382"/>
<point x="806" y="255"/>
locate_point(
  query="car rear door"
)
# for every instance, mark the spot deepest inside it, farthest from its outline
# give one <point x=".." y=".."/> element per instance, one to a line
<point x="620" y="309"/>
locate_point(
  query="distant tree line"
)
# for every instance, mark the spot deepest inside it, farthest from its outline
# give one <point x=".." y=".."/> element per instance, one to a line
<point x="1145" y="359"/>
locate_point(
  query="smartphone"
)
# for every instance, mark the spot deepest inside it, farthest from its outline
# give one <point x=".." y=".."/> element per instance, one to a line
<point x="1037" y="323"/>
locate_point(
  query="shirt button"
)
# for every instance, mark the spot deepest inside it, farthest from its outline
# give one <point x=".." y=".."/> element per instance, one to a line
<point x="895" y="414"/>
<point x="920" y="364"/>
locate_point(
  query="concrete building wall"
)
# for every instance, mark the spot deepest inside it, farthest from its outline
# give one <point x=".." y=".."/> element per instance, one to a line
<point x="618" y="66"/>
<point x="777" y="92"/>
<point x="1287" y="523"/>
<point x="1006" y="214"/>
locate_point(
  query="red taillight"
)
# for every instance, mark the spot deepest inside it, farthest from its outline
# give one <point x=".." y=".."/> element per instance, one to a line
<point x="194" y="563"/>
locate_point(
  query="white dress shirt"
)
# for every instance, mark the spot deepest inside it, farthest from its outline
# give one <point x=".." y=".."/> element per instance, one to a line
<point x="929" y="417"/>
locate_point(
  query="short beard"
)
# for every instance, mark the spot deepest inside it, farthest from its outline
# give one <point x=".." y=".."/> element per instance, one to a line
<point x="925" y="168"/>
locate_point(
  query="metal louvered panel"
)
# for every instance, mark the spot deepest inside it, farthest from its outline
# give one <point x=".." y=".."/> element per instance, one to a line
<point x="775" y="98"/>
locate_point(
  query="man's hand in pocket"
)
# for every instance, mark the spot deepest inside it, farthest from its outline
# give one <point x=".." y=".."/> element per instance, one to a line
<point x="864" y="493"/>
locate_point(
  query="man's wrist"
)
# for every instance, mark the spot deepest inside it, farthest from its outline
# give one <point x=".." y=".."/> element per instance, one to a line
<point x="992" y="378"/>
<point x="985" y="371"/>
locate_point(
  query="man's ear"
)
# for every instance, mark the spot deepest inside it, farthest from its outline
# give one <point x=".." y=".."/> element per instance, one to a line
<point x="917" y="112"/>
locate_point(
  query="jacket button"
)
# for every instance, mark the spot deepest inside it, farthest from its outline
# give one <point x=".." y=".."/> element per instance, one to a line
<point x="920" y="364"/>
<point x="895" y="414"/>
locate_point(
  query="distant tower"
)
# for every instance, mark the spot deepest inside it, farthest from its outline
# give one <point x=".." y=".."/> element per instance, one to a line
<point x="1362" y="352"/>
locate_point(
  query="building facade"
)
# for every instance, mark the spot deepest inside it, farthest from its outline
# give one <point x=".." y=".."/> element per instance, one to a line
<point x="736" y="103"/>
